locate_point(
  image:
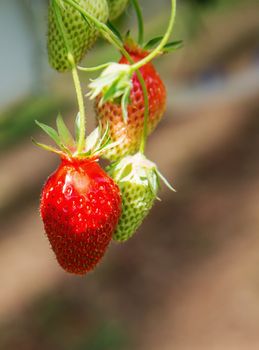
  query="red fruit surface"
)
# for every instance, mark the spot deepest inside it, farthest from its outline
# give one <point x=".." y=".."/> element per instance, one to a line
<point x="80" y="207"/>
<point x="130" y="133"/>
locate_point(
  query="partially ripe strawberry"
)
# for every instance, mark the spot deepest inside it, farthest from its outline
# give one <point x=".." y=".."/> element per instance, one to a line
<point x="80" y="34"/>
<point x="80" y="207"/>
<point x="116" y="8"/>
<point x="129" y="132"/>
<point x="138" y="180"/>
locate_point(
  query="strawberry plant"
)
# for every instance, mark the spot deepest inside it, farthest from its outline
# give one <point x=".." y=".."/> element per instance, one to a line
<point x="83" y="206"/>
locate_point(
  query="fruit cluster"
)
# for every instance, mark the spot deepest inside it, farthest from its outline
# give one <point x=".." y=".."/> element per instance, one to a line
<point x="83" y="207"/>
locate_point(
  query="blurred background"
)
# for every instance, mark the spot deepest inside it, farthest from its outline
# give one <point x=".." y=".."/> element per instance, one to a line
<point x="190" y="278"/>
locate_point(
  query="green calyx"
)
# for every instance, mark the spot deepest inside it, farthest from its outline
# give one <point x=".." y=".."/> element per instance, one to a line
<point x="139" y="181"/>
<point x="114" y="83"/>
<point x="97" y="143"/>
<point x="138" y="169"/>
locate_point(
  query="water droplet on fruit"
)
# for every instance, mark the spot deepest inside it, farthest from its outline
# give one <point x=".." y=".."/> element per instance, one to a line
<point x="65" y="209"/>
<point x="67" y="190"/>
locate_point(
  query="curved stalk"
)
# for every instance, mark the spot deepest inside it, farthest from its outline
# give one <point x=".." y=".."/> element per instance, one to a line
<point x="79" y="93"/>
<point x="138" y="11"/>
<point x="114" y="40"/>
<point x="146" y="114"/>
<point x="94" y="69"/>
<point x="165" y="39"/>
<point x="102" y="27"/>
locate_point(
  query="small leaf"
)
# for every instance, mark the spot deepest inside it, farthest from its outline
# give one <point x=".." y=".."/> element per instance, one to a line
<point x="92" y="140"/>
<point x="64" y="134"/>
<point x="152" y="43"/>
<point x="110" y="93"/>
<point x="173" y="46"/>
<point x="109" y="146"/>
<point x="166" y="182"/>
<point x="126" y="171"/>
<point x="49" y="131"/>
<point x="46" y="148"/>
<point x="153" y="181"/>
<point x="112" y="82"/>
<point x="115" y="30"/>
<point x="105" y="136"/>
<point x="127" y="36"/>
<point x="65" y="149"/>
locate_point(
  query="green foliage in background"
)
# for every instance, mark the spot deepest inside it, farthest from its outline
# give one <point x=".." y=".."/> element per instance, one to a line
<point x="18" y="121"/>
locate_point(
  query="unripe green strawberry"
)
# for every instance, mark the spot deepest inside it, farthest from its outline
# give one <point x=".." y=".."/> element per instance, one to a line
<point x="138" y="180"/>
<point x="116" y="8"/>
<point x="81" y="35"/>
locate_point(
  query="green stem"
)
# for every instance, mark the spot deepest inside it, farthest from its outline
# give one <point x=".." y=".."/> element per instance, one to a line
<point x="165" y="39"/>
<point x="114" y="40"/>
<point x="146" y="113"/>
<point x="102" y="27"/>
<point x="79" y="93"/>
<point x="82" y="119"/>
<point x="140" y="21"/>
<point x="94" y="69"/>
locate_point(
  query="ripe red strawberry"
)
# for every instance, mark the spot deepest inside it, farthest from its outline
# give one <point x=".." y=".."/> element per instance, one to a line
<point x="80" y="208"/>
<point x="130" y="132"/>
<point x="80" y="204"/>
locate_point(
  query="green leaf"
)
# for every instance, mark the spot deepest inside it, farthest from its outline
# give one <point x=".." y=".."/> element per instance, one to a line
<point x="49" y="131"/>
<point x="166" y="182"/>
<point x="169" y="47"/>
<point x="46" y="148"/>
<point x="152" y="43"/>
<point x="153" y="181"/>
<point x="65" y="149"/>
<point x="126" y="171"/>
<point x="105" y="137"/>
<point x="108" y="146"/>
<point x="64" y="134"/>
<point x="173" y="46"/>
<point x="115" y="30"/>
<point x="92" y="140"/>
<point x="110" y="93"/>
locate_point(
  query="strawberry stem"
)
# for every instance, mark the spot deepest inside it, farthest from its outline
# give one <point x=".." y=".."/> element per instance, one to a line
<point x="79" y="93"/>
<point x="146" y="113"/>
<point x="102" y="27"/>
<point x="95" y="68"/>
<point x="138" y="11"/>
<point x="82" y="117"/>
<point x="163" y="42"/>
<point x="114" y="40"/>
